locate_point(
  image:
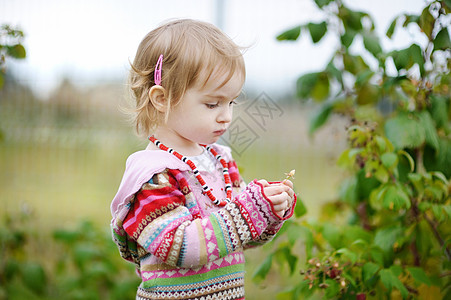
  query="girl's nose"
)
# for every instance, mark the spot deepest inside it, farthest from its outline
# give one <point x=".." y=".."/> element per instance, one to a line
<point x="226" y="115"/>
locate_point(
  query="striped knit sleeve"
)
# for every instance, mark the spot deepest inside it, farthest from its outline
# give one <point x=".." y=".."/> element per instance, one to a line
<point x="161" y="223"/>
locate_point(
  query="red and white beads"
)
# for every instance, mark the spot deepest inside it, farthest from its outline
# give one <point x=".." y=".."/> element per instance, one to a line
<point x="205" y="188"/>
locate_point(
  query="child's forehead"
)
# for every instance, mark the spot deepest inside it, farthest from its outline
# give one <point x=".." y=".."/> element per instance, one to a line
<point x="214" y="79"/>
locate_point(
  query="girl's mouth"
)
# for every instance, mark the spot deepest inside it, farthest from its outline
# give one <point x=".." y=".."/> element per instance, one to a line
<point x="219" y="132"/>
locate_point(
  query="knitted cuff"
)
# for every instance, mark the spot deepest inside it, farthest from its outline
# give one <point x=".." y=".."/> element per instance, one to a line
<point x="289" y="212"/>
<point x="258" y="205"/>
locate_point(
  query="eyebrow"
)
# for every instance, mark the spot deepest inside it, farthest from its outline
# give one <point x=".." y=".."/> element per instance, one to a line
<point x="222" y="97"/>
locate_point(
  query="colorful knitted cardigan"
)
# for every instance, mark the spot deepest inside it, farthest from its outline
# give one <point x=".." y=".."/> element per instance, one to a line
<point x="183" y="246"/>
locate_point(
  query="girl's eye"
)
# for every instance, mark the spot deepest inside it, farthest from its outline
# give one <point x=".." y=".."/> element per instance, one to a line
<point x="233" y="102"/>
<point x="211" y="106"/>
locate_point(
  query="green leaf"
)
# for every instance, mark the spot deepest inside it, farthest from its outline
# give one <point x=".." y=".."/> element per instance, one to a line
<point x="442" y="41"/>
<point x="410" y="19"/>
<point x="406" y="58"/>
<point x="354" y="64"/>
<point x="377" y="196"/>
<point x="429" y="128"/>
<point x="348" y="254"/>
<point x="419" y="275"/>
<point x="426" y="22"/>
<point x="386" y="278"/>
<point x="440" y="176"/>
<point x="405" y="131"/>
<point x="291" y="260"/>
<point x="366" y="185"/>
<point x="348" y="37"/>
<point x="317" y="31"/>
<point x="351" y="19"/>
<point x="416" y="55"/>
<point x="417" y="181"/>
<point x="381" y="174"/>
<point x="395" y="198"/>
<point x="439" y="160"/>
<point x="381" y="143"/>
<point x="308" y="240"/>
<point x="300" y="209"/>
<point x="290" y="35"/>
<point x="16" y="51"/>
<point x="396" y="270"/>
<point x="409" y="159"/>
<point x="302" y="289"/>
<point x="34" y="277"/>
<point x="390" y="281"/>
<point x="391" y="28"/>
<point x="369" y="269"/>
<point x="424" y="206"/>
<point x="348" y="190"/>
<point x="371" y="43"/>
<point x="447" y="209"/>
<point x="377" y="255"/>
<point x="333" y="72"/>
<point x="320" y="90"/>
<point x="356" y="235"/>
<point x="263" y="269"/>
<point x="391" y="83"/>
<point x="363" y="77"/>
<point x="305" y="84"/>
<point x="332" y="235"/>
<point x="322" y="3"/>
<point x="400" y="58"/>
<point x="292" y="231"/>
<point x="386" y="237"/>
<point x="423" y="240"/>
<point x="439" y="110"/>
<point x="333" y="288"/>
<point x="389" y="160"/>
<point x="438" y="211"/>
<point x="446" y="4"/>
<point x="320" y="117"/>
<point x="368" y="93"/>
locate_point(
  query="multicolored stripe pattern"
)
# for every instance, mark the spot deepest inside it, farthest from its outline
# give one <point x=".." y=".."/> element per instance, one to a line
<point x="182" y="252"/>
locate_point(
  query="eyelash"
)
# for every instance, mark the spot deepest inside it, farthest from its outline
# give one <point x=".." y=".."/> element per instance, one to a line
<point x="211" y="106"/>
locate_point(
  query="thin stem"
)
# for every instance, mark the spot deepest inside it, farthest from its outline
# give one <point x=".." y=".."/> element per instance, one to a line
<point x="413" y="247"/>
<point x="419" y="160"/>
<point x="437" y="235"/>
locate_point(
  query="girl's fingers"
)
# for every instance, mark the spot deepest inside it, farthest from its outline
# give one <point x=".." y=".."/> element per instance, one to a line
<point x="280" y="198"/>
<point x="275" y="189"/>
<point x="280" y="207"/>
<point x="288" y="183"/>
<point x="263" y="182"/>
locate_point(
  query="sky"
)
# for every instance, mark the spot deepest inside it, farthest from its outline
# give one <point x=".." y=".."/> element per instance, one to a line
<point x="92" y="41"/>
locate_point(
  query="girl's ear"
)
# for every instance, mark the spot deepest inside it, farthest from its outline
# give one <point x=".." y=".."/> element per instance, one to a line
<point x="157" y="96"/>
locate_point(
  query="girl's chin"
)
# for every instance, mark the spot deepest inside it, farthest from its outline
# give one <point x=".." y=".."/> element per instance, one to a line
<point x="210" y="140"/>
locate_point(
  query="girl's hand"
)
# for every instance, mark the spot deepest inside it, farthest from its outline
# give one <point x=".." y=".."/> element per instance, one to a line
<point x="280" y="194"/>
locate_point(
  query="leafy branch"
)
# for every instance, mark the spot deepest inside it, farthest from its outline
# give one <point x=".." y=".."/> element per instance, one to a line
<point x="10" y="46"/>
<point x="397" y="238"/>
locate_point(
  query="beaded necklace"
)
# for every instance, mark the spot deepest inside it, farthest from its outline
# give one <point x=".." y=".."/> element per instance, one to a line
<point x="205" y="188"/>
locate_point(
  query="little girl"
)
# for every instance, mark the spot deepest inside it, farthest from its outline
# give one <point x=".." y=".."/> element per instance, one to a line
<point x="182" y="213"/>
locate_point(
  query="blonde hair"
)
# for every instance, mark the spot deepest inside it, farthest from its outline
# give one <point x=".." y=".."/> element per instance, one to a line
<point x="192" y="50"/>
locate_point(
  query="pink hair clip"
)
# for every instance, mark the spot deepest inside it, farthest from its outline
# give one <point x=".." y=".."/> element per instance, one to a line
<point x="157" y="73"/>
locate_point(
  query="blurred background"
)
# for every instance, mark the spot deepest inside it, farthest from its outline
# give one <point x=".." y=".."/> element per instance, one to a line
<point x="64" y="139"/>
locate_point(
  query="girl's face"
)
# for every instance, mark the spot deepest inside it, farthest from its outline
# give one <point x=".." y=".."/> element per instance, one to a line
<point x="204" y="113"/>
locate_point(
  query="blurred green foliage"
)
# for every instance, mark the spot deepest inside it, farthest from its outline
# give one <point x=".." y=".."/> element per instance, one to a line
<point x="10" y="46"/>
<point x="388" y="234"/>
<point x="77" y="263"/>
